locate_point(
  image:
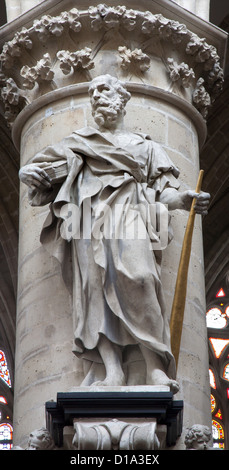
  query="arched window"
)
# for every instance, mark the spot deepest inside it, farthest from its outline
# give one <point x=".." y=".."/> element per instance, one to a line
<point x="217" y="434"/>
<point x="4" y="371"/>
<point x="6" y="436"/>
<point x="217" y="318"/>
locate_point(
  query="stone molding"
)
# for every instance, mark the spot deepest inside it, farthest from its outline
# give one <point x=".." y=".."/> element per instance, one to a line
<point x="34" y="62"/>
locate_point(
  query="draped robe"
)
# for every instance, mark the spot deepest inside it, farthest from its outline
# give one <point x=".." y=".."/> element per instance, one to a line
<point x="115" y="281"/>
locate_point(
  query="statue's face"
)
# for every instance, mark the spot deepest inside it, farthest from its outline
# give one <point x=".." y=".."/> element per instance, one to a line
<point x="106" y="102"/>
<point x="34" y="444"/>
<point x="200" y="444"/>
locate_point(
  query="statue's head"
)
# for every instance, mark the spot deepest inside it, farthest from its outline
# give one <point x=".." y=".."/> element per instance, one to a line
<point x="40" y="439"/>
<point x="198" y="437"/>
<point x="108" y="98"/>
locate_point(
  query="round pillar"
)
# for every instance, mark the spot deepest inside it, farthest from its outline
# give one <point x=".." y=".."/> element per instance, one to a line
<point x="171" y="74"/>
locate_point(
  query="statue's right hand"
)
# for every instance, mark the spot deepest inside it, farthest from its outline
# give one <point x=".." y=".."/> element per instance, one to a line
<point x="35" y="177"/>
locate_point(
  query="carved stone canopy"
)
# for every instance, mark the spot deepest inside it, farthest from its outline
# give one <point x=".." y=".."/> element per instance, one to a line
<point x="137" y="46"/>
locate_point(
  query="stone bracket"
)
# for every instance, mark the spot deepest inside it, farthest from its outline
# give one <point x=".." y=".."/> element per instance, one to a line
<point x="76" y="405"/>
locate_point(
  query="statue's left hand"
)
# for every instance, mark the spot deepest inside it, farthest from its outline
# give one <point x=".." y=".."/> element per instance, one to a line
<point x="201" y="204"/>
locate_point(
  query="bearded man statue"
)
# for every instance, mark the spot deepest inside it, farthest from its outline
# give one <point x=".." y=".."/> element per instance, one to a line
<point x="110" y="182"/>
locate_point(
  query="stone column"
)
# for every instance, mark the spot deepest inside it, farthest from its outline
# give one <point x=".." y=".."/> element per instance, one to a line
<point x="199" y="7"/>
<point x="14" y="8"/>
<point x="173" y="76"/>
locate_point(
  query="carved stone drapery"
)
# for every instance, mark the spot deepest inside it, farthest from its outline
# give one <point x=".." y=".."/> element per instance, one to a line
<point x="38" y="53"/>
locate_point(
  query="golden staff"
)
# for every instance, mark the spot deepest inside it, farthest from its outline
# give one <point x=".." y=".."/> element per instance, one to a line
<point x="177" y="314"/>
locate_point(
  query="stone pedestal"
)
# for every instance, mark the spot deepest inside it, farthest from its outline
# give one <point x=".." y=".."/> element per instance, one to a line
<point x="121" y="419"/>
<point x="49" y="56"/>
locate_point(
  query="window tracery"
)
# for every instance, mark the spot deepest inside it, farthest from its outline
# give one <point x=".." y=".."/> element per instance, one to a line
<point x="6" y="436"/>
<point x="217" y="320"/>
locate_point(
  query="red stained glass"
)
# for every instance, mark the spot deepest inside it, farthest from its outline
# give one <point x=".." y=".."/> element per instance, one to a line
<point x="4" y="371"/>
<point x="220" y="293"/>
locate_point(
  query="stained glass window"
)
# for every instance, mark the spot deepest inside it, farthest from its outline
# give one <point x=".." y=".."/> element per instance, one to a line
<point x="227" y="311"/>
<point x="6" y="435"/>
<point x="218" y="345"/>
<point x="215" y="318"/>
<point x="220" y="293"/>
<point x="3" y="400"/>
<point x="218" y="414"/>
<point x="213" y="403"/>
<point x="4" y="371"/>
<point x="217" y="435"/>
<point x="212" y="378"/>
<point x="226" y="372"/>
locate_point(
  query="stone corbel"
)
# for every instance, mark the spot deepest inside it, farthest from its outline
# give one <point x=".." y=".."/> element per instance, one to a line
<point x="116" y="434"/>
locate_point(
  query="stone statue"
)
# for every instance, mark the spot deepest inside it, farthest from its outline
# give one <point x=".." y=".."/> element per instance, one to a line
<point x="100" y="182"/>
<point x="198" y="437"/>
<point x="39" y="439"/>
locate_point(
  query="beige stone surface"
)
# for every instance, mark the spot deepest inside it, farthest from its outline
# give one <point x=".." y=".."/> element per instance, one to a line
<point x="44" y="361"/>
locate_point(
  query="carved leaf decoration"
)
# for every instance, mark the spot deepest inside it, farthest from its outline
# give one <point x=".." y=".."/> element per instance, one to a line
<point x="135" y="57"/>
<point x="108" y="19"/>
<point x="76" y="60"/>
<point x="180" y="73"/>
<point x="41" y="71"/>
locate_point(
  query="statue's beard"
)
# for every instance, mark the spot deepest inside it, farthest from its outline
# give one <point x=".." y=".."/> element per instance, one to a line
<point x="106" y="114"/>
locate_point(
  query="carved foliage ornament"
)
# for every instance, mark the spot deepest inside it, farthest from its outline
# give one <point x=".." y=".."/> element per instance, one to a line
<point x="136" y="58"/>
<point x="41" y="71"/>
<point x="104" y="18"/>
<point x="75" y="60"/>
<point x="180" y="73"/>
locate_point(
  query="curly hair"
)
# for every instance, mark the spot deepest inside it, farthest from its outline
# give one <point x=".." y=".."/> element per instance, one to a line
<point x="195" y="432"/>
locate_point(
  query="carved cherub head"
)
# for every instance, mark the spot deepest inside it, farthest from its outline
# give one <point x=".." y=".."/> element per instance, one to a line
<point x="108" y="98"/>
<point x="198" y="437"/>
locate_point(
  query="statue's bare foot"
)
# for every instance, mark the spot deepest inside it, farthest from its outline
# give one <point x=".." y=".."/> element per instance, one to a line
<point x="158" y="377"/>
<point x="111" y="381"/>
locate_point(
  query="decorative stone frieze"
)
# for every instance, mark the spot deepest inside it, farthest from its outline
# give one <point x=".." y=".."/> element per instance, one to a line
<point x="77" y="41"/>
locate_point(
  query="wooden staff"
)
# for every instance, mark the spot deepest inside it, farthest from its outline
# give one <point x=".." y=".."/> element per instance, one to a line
<point x="177" y="314"/>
